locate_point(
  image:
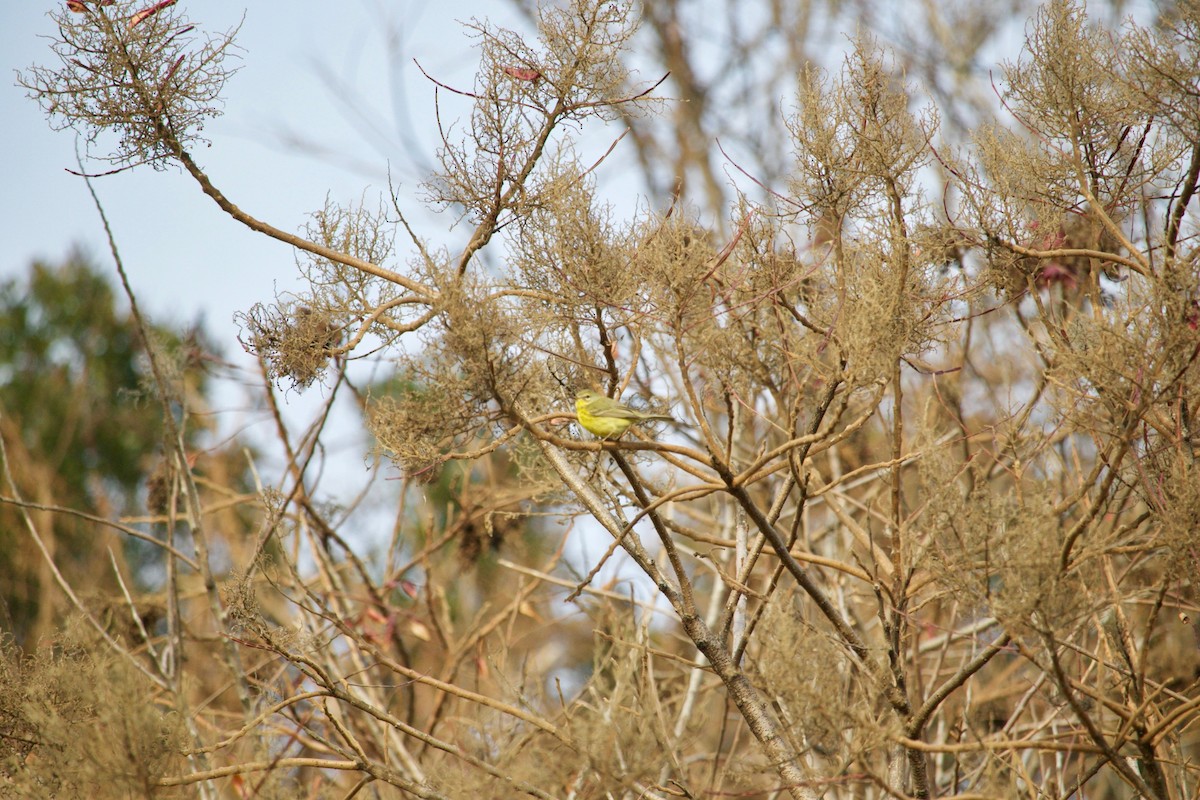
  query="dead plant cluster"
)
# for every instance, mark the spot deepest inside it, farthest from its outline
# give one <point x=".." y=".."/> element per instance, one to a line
<point x="924" y="525"/>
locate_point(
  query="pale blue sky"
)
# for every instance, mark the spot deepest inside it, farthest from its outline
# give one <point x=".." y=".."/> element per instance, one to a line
<point x="185" y="258"/>
<point x="183" y="255"/>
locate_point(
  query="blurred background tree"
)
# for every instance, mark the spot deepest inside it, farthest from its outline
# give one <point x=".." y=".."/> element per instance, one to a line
<point x="82" y="430"/>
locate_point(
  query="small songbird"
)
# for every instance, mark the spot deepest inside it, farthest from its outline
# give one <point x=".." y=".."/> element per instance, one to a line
<point x="605" y="417"/>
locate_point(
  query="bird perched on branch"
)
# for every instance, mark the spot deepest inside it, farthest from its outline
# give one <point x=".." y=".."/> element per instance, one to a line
<point x="607" y="418"/>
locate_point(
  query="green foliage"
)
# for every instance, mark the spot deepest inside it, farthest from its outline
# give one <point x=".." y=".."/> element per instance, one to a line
<point x="73" y="374"/>
<point x="81" y="421"/>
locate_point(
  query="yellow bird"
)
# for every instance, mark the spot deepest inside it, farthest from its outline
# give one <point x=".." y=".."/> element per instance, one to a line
<point x="607" y="418"/>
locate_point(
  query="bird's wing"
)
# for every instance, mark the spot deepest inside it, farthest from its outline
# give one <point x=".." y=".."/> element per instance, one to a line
<point x="621" y="412"/>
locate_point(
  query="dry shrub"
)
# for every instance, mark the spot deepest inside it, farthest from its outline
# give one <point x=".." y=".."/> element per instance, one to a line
<point x="608" y="718"/>
<point x="1002" y="552"/>
<point x="1017" y="486"/>
<point x="294" y="339"/>
<point x="112" y="72"/>
<point x="417" y="425"/>
<point x="78" y="720"/>
<point x="569" y="251"/>
<point x="828" y="709"/>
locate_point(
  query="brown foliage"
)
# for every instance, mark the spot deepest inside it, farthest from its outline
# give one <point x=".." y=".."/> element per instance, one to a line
<point x="914" y="536"/>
